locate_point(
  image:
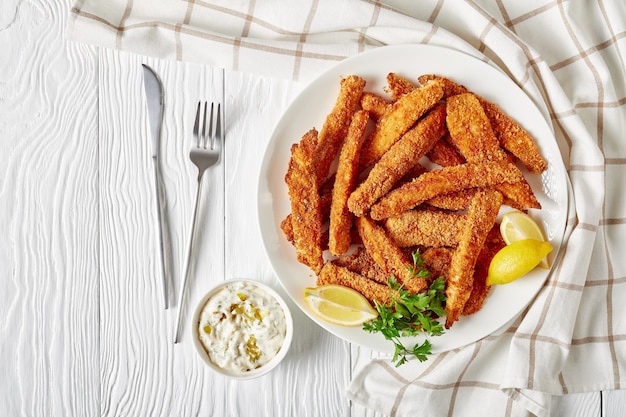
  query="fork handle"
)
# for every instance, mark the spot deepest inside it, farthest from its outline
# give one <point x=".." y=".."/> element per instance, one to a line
<point x="185" y="283"/>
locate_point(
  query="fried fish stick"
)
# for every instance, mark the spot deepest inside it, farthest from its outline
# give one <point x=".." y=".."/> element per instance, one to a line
<point x="450" y="88"/>
<point x="398" y="160"/>
<point x="363" y="264"/>
<point x="347" y="172"/>
<point x="437" y="261"/>
<point x="480" y="289"/>
<point x="391" y="259"/>
<point x="338" y="275"/>
<point x="403" y="114"/>
<point x="510" y="134"/>
<point x="444" y="154"/>
<point x="459" y="200"/>
<point x="424" y="227"/>
<point x="480" y="218"/>
<point x="514" y="138"/>
<point x="306" y="216"/>
<point x="336" y="124"/>
<point x="375" y="105"/>
<point x="470" y="130"/>
<point x="398" y="85"/>
<point x="326" y="196"/>
<point x="443" y="181"/>
<point x="471" y="133"/>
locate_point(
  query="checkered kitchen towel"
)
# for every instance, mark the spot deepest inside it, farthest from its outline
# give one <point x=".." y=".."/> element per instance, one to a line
<point x="568" y="56"/>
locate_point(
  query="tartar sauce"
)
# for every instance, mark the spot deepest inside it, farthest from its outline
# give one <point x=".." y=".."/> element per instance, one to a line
<point x="242" y="327"/>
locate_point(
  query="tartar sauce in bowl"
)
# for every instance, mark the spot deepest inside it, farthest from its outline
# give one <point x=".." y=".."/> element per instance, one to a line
<point x="242" y="328"/>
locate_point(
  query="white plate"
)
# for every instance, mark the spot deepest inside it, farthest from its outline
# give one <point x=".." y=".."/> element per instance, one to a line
<point x="309" y="110"/>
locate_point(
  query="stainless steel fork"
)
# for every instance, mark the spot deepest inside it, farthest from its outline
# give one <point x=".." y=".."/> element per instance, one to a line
<point x="204" y="153"/>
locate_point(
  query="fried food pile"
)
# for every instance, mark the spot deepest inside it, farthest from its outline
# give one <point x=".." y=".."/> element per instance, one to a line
<point x="427" y="170"/>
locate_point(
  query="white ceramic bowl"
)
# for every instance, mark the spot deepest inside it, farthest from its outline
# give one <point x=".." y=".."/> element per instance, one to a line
<point x="263" y="369"/>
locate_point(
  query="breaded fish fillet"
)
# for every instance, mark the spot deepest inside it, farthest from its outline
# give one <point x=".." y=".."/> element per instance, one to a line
<point x="444" y="154"/>
<point x="480" y="289"/>
<point x="398" y="85"/>
<point x="511" y="135"/>
<point x="480" y="218"/>
<point x="326" y="196"/>
<point x="347" y="172"/>
<point x="437" y="261"/>
<point x="375" y="105"/>
<point x="363" y="264"/>
<point x="450" y="88"/>
<point x="398" y="160"/>
<point x="373" y="291"/>
<point x="306" y="215"/>
<point x="424" y="227"/>
<point x="336" y="124"/>
<point x="470" y="130"/>
<point x="459" y="200"/>
<point x="443" y="181"/>
<point x="391" y="259"/>
<point x="403" y="114"/>
<point x="514" y="138"/>
<point x="471" y="133"/>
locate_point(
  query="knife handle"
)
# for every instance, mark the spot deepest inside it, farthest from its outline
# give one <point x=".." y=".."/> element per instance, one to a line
<point x="160" y="217"/>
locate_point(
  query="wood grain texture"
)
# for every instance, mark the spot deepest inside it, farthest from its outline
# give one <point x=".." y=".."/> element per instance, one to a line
<point x="613" y="403"/>
<point x="83" y="331"/>
<point x="48" y="215"/>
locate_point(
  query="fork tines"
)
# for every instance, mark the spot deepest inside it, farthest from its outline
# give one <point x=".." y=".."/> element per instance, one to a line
<point x="208" y="140"/>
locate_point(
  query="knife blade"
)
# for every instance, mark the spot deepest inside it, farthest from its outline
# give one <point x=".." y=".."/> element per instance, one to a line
<point x="154" y="101"/>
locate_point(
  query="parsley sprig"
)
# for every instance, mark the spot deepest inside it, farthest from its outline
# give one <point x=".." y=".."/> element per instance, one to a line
<point x="411" y="314"/>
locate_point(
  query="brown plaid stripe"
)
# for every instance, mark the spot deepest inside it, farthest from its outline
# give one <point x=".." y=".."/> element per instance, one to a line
<point x="569" y="56"/>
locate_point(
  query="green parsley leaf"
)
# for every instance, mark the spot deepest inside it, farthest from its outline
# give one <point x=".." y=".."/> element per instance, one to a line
<point x="411" y="314"/>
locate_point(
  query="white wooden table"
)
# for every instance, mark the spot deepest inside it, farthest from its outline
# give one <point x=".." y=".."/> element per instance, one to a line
<point x="82" y="324"/>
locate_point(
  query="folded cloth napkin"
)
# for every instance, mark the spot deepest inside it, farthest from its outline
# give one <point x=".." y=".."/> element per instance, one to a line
<point x="569" y="58"/>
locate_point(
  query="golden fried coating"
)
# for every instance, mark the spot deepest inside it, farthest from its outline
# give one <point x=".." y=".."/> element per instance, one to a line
<point x="444" y="154"/>
<point x="403" y="114"/>
<point x="363" y="264"/>
<point x="450" y="88"/>
<point x="510" y="134"/>
<point x="470" y="130"/>
<point x="459" y="200"/>
<point x="398" y="85"/>
<point x="443" y="181"/>
<point x="326" y="196"/>
<point x="375" y="105"/>
<point x="437" y="261"/>
<point x="403" y="156"/>
<point x="345" y="179"/>
<point x="336" y="125"/>
<point x="391" y="259"/>
<point x="519" y="195"/>
<point x="514" y="138"/>
<point x="413" y="173"/>
<point x="306" y="215"/>
<point x="424" y="228"/>
<point x="480" y="218"/>
<point x="338" y="275"/>
<point x="471" y="133"/>
<point x="480" y="289"/>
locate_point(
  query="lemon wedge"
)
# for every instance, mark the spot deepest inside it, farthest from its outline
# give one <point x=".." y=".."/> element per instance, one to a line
<point x="517" y="225"/>
<point x="516" y="260"/>
<point x="339" y="305"/>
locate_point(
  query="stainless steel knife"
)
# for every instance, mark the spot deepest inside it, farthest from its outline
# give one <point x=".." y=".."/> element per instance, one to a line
<point x="154" y="99"/>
